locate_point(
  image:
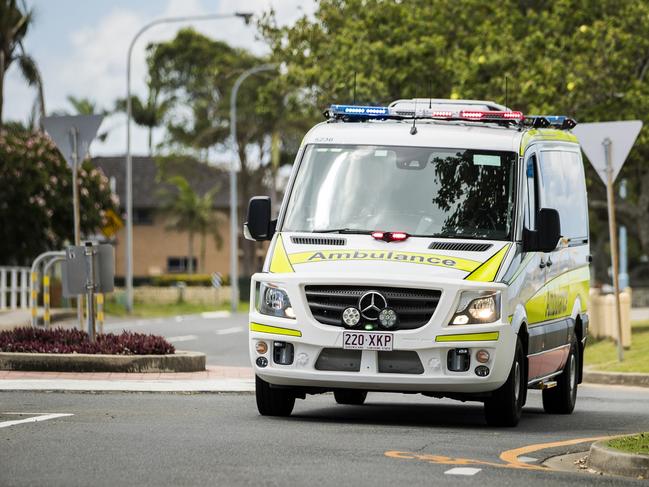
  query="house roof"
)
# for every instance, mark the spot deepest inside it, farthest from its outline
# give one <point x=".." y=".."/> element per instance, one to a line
<point x="146" y="187"/>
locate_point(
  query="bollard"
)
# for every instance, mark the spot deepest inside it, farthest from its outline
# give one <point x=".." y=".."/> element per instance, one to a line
<point x="100" y="312"/>
<point x="34" y="298"/>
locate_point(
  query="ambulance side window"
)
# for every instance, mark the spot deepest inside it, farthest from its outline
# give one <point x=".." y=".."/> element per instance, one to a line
<point x="531" y="206"/>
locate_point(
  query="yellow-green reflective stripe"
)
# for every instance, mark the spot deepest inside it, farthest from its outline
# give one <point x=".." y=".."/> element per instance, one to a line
<point x="469" y="337"/>
<point x="275" y="330"/>
<point x="487" y="271"/>
<point x="280" y="264"/>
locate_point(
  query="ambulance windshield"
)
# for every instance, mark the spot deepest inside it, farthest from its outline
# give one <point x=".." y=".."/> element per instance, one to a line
<point x="453" y="193"/>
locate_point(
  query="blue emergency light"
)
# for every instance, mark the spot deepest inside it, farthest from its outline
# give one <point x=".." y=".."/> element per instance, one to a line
<point x="359" y="111"/>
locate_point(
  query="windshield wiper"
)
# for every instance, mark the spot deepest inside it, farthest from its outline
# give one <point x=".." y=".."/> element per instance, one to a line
<point x="350" y="231"/>
<point x="451" y="235"/>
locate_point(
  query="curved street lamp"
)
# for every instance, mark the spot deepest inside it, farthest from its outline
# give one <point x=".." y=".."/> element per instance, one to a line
<point x="129" y="162"/>
<point x="234" y="230"/>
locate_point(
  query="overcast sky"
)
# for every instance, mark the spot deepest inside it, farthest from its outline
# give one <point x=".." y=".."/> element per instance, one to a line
<point x="81" y="46"/>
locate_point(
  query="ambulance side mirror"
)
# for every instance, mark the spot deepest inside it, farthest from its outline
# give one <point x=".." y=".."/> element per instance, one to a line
<point x="259" y="226"/>
<point x="546" y="237"/>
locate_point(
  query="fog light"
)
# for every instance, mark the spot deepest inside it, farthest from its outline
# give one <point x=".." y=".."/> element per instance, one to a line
<point x="482" y="356"/>
<point x="388" y="318"/>
<point x="261" y="362"/>
<point x="482" y="371"/>
<point x="261" y="347"/>
<point x="351" y="317"/>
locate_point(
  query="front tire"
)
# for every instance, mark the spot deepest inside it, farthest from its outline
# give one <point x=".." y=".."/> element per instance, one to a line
<point x="350" y="396"/>
<point x="505" y="406"/>
<point x="562" y="398"/>
<point x="271" y="401"/>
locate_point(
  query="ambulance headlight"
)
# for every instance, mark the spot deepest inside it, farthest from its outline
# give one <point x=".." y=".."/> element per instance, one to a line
<point x="273" y="301"/>
<point x="477" y="307"/>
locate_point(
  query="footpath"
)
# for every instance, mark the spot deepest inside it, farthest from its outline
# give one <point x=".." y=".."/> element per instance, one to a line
<point x="214" y="379"/>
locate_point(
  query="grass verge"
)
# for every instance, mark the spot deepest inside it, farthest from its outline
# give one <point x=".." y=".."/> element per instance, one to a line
<point x="155" y="310"/>
<point x="602" y="354"/>
<point x="638" y="444"/>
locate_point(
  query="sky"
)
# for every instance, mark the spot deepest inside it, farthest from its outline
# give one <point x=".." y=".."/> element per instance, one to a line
<point x="81" y="49"/>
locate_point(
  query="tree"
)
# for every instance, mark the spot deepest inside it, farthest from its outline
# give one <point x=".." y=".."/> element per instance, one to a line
<point x="193" y="213"/>
<point x="588" y="60"/>
<point x="15" y="21"/>
<point x="83" y="106"/>
<point x="36" y="196"/>
<point x="149" y="113"/>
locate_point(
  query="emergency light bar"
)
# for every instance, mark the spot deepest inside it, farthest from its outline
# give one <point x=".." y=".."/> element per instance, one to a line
<point x="356" y="112"/>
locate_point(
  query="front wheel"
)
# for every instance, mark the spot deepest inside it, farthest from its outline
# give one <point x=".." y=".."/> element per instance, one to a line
<point x="350" y="396"/>
<point x="271" y="401"/>
<point x="505" y="406"/>
<point x="562" y="398"/>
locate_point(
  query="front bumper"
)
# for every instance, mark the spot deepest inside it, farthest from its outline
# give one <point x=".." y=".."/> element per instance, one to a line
<point x="431" y="343"/>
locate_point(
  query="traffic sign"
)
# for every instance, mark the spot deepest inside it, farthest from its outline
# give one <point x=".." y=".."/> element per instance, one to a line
<point x="621" y="136"/>
<point x="63" y="129"/>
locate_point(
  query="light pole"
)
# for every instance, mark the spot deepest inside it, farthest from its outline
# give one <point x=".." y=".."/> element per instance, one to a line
<point x="129" y="162"/>
<point x="234" y="230"/>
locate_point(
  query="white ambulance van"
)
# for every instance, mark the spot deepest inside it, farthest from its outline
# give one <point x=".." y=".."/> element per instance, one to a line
<point x="431" y="246"/>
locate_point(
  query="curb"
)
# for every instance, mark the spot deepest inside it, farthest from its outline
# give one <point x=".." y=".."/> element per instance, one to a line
<point x="616" y="462"/>
<point x="181" y="361"/>
<point x="617" y="378"/>
<point x="215" y="386"/>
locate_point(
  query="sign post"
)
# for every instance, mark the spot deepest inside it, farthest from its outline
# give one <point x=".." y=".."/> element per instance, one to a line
<point x="72" y="135"/>
<point x="613" y="141"/>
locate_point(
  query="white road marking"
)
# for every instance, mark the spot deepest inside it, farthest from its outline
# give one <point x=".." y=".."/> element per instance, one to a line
<point x="215" y="314"/>
<point x="230" y="331"/>
<point x="35" y="419"/>
<point x="463" y="471"/>
<point x="178" y="319"/>
<point x="528" y="459"/>
<point x="182" y="338"/>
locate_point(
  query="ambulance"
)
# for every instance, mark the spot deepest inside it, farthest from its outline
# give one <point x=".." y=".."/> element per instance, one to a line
<point x="431" y="246"/>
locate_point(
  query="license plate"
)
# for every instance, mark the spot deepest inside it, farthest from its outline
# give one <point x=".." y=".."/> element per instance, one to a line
<point x="363" y="340"/>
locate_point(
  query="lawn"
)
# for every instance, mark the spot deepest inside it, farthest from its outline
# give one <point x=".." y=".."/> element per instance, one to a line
<point x="602" y="354"/>
<point x="148" y="310"/>
<point x="631" y="444"/>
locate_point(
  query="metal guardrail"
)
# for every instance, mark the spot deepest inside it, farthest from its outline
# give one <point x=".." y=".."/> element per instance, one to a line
<point x="14" y="287"/>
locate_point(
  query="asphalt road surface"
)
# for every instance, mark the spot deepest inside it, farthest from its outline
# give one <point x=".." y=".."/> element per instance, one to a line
<point x="219" y="335"/>
<point x="219" y="439"/>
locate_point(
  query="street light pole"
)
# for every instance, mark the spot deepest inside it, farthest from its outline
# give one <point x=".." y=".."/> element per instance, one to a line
<point x="234" y="230"/>
<point x="129" y="162"/>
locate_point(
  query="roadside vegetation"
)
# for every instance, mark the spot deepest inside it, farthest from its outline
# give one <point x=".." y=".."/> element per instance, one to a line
<point x="60" y="340"/>
<point x="156" y="310"/>
<point x="638" y="444"/>
<point x="602" y="354"/>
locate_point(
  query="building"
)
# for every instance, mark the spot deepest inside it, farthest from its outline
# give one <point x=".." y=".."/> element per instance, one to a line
<point x="156" y="248"/>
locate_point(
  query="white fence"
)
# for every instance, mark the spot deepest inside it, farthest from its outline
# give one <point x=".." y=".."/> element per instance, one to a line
<point x="14" y="288"/>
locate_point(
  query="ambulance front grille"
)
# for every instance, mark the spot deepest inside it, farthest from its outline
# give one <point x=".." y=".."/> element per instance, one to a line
<point x="414" y="307"/>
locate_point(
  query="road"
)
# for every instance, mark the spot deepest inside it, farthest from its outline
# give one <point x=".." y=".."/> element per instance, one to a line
<point x="217" y="439"/>
<point x="221" y="336"/>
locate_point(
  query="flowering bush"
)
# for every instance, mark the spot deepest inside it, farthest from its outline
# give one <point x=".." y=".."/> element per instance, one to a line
<point x="36" y="196"/>
<point x="61" y="340"/>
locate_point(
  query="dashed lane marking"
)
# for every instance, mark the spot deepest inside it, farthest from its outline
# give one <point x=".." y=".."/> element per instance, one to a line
<point x="463" y="471"/>
<point x="215" y="314"/>
<point x="34" y="419"/>
<point x="182" y="338"/>
<point x="230" y="331"/>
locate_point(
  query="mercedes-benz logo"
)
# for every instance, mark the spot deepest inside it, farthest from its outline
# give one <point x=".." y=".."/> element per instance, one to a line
<point x="371" y="304"/>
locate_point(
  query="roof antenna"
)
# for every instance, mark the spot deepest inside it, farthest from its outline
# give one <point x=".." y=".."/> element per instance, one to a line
<point x="506" y="100"/>
<point x="413" y="129"/>
<point x="430" y="95"/>
<point x="354" y="103"/>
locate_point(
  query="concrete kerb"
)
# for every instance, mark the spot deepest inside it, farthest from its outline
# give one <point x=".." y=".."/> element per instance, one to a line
<point x="181" y="361"/>
<point x="615" y="462"/>
<point x="616" y="378"/>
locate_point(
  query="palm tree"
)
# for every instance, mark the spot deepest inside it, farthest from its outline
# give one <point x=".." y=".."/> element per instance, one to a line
<point x="149" y="113"/>
<point x="83" y="106"/>
<point x="192" y="213"/>
<point x="14" y="22"/>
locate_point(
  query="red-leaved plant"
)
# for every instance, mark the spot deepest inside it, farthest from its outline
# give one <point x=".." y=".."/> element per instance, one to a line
<point x="60" y="340"/>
